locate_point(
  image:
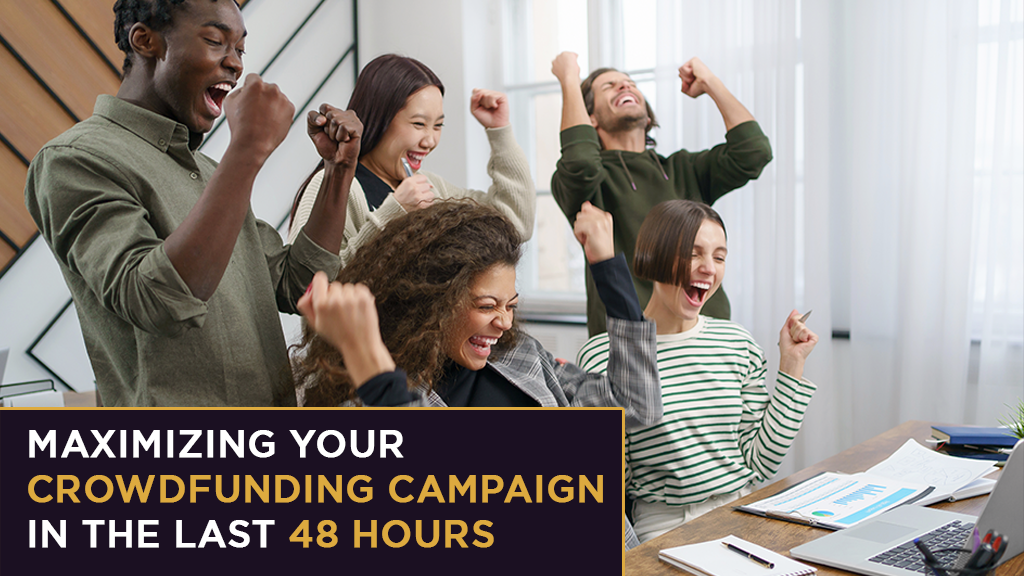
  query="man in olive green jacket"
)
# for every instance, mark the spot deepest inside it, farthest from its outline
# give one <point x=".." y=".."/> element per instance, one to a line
<point x="176" y="284"/>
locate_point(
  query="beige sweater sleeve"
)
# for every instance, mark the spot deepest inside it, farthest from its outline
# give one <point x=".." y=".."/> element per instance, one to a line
<point x="512" y="192"/>
<point x="360" y="224"/>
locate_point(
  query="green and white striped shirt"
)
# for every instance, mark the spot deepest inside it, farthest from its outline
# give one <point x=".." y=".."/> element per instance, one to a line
<point x="721" y="429"/>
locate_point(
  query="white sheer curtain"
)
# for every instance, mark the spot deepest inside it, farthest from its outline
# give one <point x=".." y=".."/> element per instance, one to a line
<point x="998" y="219"/>
<point x="929" y="200"/>
<point x="778" y="249"/>
<point x="892" y="208"/>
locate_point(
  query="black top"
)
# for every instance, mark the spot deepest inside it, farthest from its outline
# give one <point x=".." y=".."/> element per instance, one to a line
<point x="375" y="189"/>
<point x="461" y="387"/>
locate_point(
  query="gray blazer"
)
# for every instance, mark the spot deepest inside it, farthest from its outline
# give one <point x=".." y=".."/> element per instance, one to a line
<point x="631" y="381"/>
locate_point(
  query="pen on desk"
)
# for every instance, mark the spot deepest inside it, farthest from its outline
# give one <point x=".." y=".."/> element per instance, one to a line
<point x="753" y="557"/>
<point x="930" y="558"/>
<point x="408" y="169"/>
<point x="924" y="550"/>
<point x="790" y="517"/>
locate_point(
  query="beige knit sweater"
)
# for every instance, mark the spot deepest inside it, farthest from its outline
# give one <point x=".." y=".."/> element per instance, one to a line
<point x="512" y="193"/>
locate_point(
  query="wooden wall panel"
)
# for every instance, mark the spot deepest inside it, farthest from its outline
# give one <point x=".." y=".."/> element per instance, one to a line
<point x="6" y="255"/>
<point x="29" y="116"/>
<point x="58" y="53"/>
<point x="59" y="64"/>
<point x="14" y="219"/>
<point x="96" y="18"/>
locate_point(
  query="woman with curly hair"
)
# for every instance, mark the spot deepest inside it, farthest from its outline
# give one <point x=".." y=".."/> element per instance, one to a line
<point x="444" y="282"/>
<point x="401" y="104"/>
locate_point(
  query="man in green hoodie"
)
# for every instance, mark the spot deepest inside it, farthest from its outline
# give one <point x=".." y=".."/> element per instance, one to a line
<point x="606" y="160"/>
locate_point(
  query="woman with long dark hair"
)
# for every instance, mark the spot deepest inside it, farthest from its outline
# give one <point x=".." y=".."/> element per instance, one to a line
<point x="400" y="102"/>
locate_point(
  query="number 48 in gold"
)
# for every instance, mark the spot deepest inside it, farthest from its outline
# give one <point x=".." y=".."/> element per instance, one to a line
<point x="327" y="537"/>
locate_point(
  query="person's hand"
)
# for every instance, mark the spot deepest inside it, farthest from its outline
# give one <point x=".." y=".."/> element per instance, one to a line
<point x="415" y="192"/>
<point x="345" y="315"/>
<point x="796" y="341"/>
<point x="259" y="116"/>
<point x="695" y="76"/>
<point x="490" y="108"/>
<point x="336" y="134"/>
<point x="566" y="67"/>
<point x="593" y="228"/>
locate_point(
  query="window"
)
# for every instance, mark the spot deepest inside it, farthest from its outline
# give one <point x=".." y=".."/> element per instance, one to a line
<point x="551" y="276"/>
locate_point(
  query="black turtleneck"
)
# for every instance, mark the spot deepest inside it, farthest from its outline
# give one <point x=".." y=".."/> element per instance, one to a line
<point x="375" y="189"/>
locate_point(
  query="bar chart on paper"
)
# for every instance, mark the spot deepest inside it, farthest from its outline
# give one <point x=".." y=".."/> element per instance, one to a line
<point x="838" y="501"/>
<point x="869" y="491"/>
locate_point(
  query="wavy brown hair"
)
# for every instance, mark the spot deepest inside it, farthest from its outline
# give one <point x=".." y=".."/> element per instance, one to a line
<point x="420" y="269"/>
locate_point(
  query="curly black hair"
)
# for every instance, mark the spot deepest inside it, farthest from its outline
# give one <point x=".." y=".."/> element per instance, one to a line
<point x="153" y="13"/>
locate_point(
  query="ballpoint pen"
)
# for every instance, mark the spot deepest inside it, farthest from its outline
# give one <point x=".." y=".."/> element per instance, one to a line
<point x="791" y="516"/>
<point x="753" y="557"/>
<point x="408" y="169"/>
<point x="929" y="558"/>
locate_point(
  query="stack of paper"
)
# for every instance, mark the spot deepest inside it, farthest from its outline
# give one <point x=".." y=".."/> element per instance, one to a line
<point x="912" y="475"/>
<point x="835" y="501"/>
<point x="953" y="478"/>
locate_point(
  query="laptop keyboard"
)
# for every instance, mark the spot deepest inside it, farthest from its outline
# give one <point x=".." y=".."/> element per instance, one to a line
<point x="909" y="558"/>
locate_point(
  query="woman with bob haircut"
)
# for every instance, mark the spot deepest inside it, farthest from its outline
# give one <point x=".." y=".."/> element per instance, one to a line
<point x="437" y="297"/>
<point x="722" y="431"/>
<point x="400" y="103"/>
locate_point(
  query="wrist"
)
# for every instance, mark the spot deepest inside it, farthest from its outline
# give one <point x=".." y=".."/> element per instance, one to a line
<point x="712" y="86"/>
<point x="243" y="159"/>
<point x="792" y="366"/>
<point x="339" y="165"/>
<point x="570" y="85"/>
<point x="367" y="361"/>
<point x="333" y="189"/>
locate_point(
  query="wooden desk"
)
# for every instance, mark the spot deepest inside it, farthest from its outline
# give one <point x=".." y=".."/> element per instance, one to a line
<point x="782" y="536"/>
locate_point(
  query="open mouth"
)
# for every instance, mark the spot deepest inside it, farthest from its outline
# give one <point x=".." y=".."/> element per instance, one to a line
<point x="214" y="96"/>
<point x="625" y="99"/>
<point x="481" y="345"/>
<point x="415" y="159"/>
<point x="697" y="292"/>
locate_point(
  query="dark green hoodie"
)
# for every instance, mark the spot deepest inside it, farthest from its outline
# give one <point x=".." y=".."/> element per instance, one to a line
<point x="629" y="184"/>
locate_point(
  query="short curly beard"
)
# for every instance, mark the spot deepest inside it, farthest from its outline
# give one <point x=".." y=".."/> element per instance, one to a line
<point x="623" y="123"/>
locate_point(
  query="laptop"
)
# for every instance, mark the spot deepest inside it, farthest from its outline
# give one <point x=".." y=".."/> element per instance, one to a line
<point x="884" y="545"/>
<point x="3" y="362"/>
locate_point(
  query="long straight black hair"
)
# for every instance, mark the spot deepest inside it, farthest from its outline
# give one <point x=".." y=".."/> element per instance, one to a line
<point x="381" y="91"/>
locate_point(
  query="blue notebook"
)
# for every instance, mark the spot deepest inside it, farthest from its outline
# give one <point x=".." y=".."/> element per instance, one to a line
<point x="975" y="435"/>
